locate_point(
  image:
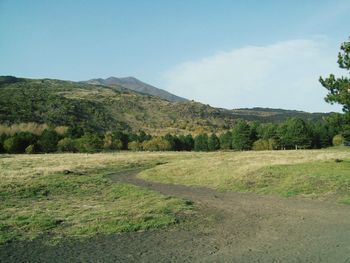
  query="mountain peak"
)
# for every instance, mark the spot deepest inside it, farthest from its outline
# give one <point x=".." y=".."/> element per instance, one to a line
<point x="134" y="84"/>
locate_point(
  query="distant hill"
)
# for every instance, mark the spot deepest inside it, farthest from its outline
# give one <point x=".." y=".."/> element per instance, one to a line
<point x="102" y="108"/>
<point x="275" y="115"/>
<point x="136" y="85"/>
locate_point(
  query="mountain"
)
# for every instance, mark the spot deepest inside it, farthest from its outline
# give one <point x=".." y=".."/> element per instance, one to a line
<point x="136" y="85"/>
<point x="101" y="108"/>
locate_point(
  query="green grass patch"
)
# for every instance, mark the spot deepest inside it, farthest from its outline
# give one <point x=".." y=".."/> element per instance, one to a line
<point x="79" y="204"/>
<point x="323" y="174"/>
<point x="313" y="179"/>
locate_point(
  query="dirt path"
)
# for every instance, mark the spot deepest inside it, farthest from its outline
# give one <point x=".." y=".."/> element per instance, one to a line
<point x="227" y="227"/>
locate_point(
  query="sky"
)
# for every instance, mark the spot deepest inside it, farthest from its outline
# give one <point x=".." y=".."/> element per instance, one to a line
<point x="229" y="54"/>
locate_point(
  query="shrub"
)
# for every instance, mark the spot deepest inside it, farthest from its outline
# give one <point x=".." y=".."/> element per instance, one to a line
<point x="66" y="145"/>
<point x="30" y="149"/>
<point x="261" y="145"/>
<point x="19" y="142"/>
<point x="135" y="146"/>
<point x="89" y="143"/>
<point x="264" y="145"/>
<point x="11" y="145"/>
<point x="338" y="140"/>
<point x="156" y="144"/>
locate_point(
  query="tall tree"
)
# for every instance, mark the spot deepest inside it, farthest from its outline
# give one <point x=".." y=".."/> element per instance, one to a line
<point x="189" y="142"/>
<point x="213" y="142"/>
<point x="226" y="140"/>
<point x="241" y="136"/>
<point x="339" y="88"/>
<point x="201" y="142"/>
<point x="297" y="134"/>
<point x="48" y="141"/>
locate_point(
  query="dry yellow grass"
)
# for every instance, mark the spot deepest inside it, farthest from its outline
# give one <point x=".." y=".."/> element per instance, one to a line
<point x="226" y="170"/>
<point x="36" y="196"/>
<point x="13" y="167"/>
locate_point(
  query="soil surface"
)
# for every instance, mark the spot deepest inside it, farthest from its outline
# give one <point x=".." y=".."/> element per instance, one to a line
<point x="225" y="227"/>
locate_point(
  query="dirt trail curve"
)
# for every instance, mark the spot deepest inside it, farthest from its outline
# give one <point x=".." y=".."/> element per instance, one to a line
<point x="228" y="227"/>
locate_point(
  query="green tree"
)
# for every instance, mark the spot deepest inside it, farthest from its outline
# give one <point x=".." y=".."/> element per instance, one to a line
<point x="321" y="136"/>
<point x="172" y="141"/>
<point x="339" y="88"/>
<point x="48" y="141"/>
<point x="110" y="142"/>
<point x="295" y="133"/>
<point x="201" y="142"/>
<point x="186" y="142"/>
<point x="241" y="136"/>
<point x="336" y="123"/>
<point x="213" y="142"/>
<point x="189" y="142"/>
<point x="267" y="131"/>
<point x="254" y="127"/>
<point x="226" y="140"/>
<point x="123" y="138"/>
<point x="75" y="132"/>
<point x="181" y="143"/>
<point x="143" y="137"/>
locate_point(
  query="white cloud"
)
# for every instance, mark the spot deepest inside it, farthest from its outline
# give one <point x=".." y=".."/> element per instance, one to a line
<point x="281" y="75"/>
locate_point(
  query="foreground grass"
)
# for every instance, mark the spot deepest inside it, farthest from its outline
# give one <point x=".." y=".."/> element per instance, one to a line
<point x="38" y="195"/>
<point x="69" y="195"/>
<point x="312" y="173"/>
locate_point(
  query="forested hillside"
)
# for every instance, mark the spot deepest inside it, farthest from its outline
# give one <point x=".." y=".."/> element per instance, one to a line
<point x="100" y="108"/>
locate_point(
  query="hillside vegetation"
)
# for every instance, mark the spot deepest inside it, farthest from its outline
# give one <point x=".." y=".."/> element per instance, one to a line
<point x="102" y="108"/>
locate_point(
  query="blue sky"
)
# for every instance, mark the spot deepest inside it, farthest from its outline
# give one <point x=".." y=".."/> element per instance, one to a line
<point x="225" y="53"/>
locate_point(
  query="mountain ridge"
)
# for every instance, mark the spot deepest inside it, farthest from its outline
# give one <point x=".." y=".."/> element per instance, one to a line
<point x="137" y="85"/>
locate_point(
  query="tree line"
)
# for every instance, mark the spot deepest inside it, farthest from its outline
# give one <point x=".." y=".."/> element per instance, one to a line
<point x="294" y="133"/>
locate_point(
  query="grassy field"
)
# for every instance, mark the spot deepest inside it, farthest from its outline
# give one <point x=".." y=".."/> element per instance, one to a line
<point x="312" y="173"/>
<point x="70" y="194"/>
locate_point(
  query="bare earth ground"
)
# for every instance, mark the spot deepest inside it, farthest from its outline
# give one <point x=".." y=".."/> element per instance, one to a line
<point x="226" y="227"/>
